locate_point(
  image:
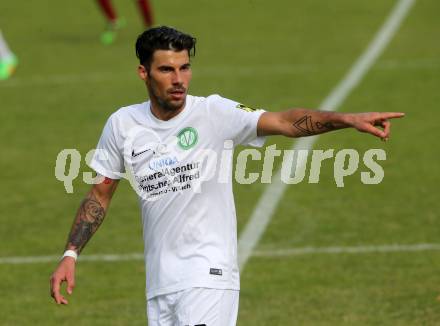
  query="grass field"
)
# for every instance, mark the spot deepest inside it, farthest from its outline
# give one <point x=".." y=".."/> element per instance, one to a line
<point x="273" y="55"/>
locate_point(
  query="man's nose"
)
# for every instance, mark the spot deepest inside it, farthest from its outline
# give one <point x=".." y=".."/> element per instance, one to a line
<point x="177" y="78"/>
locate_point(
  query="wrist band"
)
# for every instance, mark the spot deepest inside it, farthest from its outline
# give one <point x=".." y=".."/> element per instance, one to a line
<point x="70" y="253"/>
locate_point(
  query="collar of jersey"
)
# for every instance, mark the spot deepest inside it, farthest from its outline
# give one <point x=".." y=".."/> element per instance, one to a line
<point x="174" y="120"/>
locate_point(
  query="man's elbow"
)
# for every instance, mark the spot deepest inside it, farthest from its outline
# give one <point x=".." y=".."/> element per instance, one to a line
<point x="105" y="189"/>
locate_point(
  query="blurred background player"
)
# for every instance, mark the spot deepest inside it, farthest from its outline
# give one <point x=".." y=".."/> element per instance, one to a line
<point x="115" y="23"/>
<point x="8" y="61"/>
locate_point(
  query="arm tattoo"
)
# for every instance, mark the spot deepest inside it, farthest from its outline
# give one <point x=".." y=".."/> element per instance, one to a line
<point x="306" y="126"/>
<point x="326" y="125"/>
<point x="89" y="217"/>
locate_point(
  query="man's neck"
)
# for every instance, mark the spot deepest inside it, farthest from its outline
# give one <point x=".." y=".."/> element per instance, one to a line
<point x="162" y="114"/>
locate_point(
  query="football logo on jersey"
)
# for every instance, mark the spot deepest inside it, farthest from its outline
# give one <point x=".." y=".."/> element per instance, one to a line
<point x="245" y="108"/>
<point x="187" y="138"/>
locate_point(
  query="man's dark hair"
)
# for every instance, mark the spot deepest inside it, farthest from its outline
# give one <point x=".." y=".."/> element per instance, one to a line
<point x="162" y="38"/>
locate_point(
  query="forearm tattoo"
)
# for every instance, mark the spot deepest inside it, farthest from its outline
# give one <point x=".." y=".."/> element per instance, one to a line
<point x="308" y="127"/>
<point x="89" y="217"/>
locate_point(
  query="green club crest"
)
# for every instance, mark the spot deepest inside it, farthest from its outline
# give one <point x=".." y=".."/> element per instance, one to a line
<point x="187" y="138"/>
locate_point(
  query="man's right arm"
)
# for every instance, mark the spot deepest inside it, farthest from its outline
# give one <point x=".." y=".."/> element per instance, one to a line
<point x="89" y="217"/>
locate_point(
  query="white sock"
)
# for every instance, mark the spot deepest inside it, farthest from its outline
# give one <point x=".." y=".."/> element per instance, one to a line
<point x="5" y="52"/>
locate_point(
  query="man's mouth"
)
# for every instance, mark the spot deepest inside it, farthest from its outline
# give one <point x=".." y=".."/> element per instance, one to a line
<point x="177" y="94"/>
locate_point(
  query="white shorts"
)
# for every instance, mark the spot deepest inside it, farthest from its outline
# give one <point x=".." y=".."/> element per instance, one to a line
<point x="194" y="307"/>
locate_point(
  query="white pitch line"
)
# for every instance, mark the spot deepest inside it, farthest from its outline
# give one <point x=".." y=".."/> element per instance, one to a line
<point x="258" y="253"/>
<point x="347" y="250"/>
<point x="50" y="259"/>
<point x="273" y="193"/>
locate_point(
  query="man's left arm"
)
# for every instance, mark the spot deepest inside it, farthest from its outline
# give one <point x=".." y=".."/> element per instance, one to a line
<point x="304" y="122"/>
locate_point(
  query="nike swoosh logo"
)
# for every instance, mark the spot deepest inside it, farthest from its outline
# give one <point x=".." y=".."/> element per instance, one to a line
<point x="133" y="154"/>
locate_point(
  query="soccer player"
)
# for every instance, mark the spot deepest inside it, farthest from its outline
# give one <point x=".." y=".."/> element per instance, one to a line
<point x="114" y="23"/>
<point x="189" y="221"/>
<point x="8" y="61"/>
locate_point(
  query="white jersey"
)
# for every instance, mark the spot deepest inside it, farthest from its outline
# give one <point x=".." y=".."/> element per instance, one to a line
<point x="181" y="170"/>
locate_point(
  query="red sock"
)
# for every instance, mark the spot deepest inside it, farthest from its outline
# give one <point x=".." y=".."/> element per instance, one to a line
<point x="147" y="15"/>
<point x="108" y="10"/>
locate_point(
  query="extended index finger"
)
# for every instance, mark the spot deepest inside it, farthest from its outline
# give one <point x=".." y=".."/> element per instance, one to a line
<point x="391" y="115"/>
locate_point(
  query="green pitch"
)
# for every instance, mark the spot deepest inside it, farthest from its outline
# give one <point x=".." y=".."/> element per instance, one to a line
<point x="273" y="55"/>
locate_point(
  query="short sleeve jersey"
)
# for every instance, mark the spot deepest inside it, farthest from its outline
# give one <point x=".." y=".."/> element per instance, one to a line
<point x="181" y="170"/>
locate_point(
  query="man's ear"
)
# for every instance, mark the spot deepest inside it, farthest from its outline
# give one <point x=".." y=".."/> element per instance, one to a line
<point x="142" y="72"/>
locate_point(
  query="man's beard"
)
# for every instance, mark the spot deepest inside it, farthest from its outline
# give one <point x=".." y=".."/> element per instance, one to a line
<point x="168" y="105"/>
